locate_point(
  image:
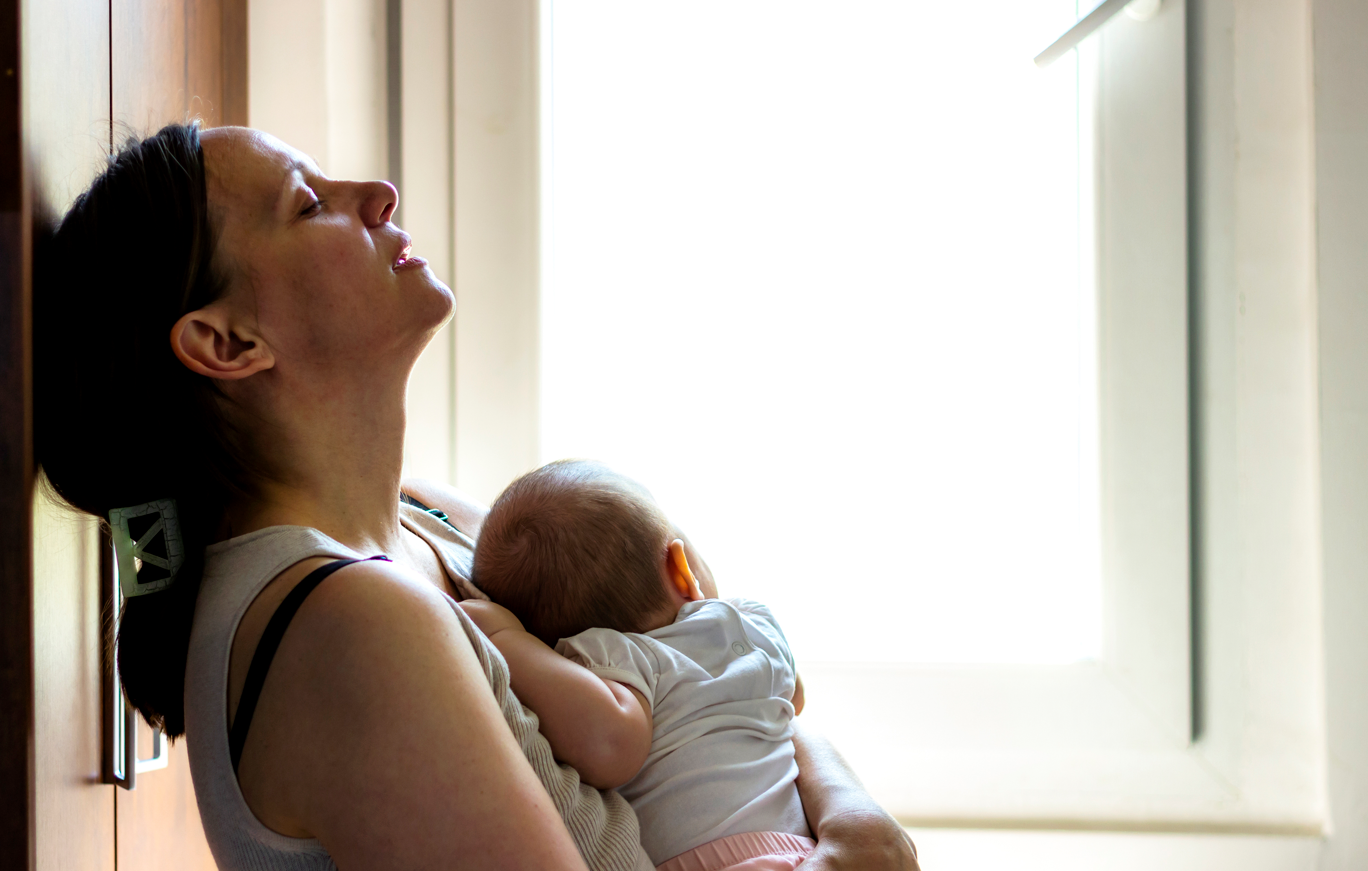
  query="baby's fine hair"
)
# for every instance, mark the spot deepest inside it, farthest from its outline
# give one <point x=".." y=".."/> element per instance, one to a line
<point x="574" y="545"/>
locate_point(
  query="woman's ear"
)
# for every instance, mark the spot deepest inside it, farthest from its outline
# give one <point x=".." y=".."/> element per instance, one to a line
<point x="208" y="343"/>
<point x="681" y="576"/>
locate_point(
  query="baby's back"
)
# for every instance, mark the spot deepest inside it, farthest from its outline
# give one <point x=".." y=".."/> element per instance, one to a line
<point x="720" y="680"/>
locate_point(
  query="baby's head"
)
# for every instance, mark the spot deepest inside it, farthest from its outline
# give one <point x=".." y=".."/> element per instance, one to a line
<point x="574" y="545"/>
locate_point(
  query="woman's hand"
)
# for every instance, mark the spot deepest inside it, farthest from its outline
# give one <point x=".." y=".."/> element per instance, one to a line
<point x="862" y="842"/>
<point x="852" y="831"/>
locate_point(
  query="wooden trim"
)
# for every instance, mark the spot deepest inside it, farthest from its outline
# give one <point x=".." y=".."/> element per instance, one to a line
<point x="17" y="843"/>
<point x="18" y="839"/>
<point x="234" y="46"/>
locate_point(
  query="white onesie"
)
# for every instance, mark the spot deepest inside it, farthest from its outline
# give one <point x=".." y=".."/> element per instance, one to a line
<point x="720" y="681"/>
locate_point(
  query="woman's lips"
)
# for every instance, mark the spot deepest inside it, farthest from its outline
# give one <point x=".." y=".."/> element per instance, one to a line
<point x="406" y="260"/>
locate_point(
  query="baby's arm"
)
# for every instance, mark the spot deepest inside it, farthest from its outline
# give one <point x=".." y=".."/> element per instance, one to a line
<point x="599" y="727"/>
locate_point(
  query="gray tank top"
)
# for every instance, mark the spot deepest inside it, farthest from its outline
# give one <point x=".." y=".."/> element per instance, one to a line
<point x="601" y="823"/>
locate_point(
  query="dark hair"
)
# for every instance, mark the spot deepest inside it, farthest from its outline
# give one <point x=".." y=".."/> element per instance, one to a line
<point x="118" y="420"/>
<point x="571" y="546"/>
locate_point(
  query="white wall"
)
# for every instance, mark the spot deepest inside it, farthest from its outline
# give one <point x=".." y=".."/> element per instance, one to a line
<point x="497" y="242"/>
<point x="1341" y="67"/>
<point x="428" y="215"/>
<point x="317" y="79"/>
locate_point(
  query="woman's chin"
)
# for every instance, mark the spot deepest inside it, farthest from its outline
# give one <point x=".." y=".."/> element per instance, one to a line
<point x="446" y="302"/>
<point x="438" y="305"/>
<point x="425" y="289"/>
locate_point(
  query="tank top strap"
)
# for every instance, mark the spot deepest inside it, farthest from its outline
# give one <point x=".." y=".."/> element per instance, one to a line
<point x="266" y="651"/>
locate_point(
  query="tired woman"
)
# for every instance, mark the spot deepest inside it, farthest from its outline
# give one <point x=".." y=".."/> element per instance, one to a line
<point x="223" y="336"/>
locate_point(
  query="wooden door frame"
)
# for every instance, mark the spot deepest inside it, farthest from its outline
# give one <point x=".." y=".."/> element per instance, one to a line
<point x="18" y="848"/>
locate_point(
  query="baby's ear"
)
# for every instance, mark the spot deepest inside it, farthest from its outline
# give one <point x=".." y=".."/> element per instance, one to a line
<point x="681" y="576"/>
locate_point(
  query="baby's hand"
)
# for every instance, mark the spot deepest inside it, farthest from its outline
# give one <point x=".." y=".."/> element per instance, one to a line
<point x="491" y="618"/>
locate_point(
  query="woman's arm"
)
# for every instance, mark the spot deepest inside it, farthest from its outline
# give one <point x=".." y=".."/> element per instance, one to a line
<point x="852" y="831"/>
<point x="464" y="513"/>
<point x="378" y="734"/>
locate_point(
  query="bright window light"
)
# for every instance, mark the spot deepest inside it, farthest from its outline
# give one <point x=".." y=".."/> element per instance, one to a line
<point x="820" y="275"/>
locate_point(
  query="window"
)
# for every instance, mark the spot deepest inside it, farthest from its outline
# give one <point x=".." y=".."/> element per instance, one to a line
<point x="1091" y="727"/>
<point x="825" y="283"/>
<point x="829" y="282"/>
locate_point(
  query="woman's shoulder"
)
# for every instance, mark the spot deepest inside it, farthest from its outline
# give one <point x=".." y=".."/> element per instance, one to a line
<point x="370" y="622"/>
<point x="368" y="604"/>
<point x="400" y="619"/>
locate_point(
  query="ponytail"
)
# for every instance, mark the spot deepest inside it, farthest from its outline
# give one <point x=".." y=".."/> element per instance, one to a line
<point x="118" y="420"/>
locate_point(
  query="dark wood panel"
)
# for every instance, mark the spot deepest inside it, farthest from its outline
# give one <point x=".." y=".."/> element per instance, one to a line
<point x="172" y="60"/>
<point x="159" y="823"/>
<point x="11" y="110"/>
<point x="17" y="833"/>
<point x="204" y="59"/>
<point x="75" y="811"/>
<point x="234" y="59"/>
<point x="16" y="602"/>
<point x="179" y="59"/>
<point x="66" y="92"/>
<point x="168" y="63"/>
<point x="149" y="65"/>
<point x="66" y="136"/>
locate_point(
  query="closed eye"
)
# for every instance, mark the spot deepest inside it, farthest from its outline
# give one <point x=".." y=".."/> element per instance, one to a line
<point x="312" y="208"/>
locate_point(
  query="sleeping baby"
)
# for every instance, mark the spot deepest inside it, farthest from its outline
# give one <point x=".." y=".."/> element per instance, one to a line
<point x="680" y="700"/>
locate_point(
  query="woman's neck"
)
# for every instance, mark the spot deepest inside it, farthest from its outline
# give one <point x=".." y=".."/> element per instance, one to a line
<point x="335" y="461"/>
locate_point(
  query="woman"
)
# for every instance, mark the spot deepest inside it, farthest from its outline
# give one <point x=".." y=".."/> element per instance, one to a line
<point x="218" y="323"/>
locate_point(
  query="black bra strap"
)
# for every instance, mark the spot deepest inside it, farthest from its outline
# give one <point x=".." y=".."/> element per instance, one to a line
<point x="266" y="651"/>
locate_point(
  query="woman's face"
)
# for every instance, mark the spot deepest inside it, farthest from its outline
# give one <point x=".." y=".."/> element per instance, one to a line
<point x="328" y="281"/>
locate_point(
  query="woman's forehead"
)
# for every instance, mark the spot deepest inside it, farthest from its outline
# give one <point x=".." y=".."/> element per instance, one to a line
<point x="250" y="169"/>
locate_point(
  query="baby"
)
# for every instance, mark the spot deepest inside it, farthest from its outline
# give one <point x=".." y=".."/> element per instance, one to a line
<point x="680" y="700"/>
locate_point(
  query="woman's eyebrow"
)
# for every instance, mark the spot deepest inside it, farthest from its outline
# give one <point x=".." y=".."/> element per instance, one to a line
<point x="289" y="187"/>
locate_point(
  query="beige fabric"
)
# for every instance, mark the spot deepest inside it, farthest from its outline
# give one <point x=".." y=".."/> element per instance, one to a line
<point x="602" y="823"/>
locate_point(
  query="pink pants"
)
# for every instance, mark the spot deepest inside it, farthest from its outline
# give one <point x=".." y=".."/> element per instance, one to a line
<point x="749" y="851"/>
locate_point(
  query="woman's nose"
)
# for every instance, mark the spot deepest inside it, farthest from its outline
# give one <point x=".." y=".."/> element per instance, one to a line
<point x="378" y="202"/>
